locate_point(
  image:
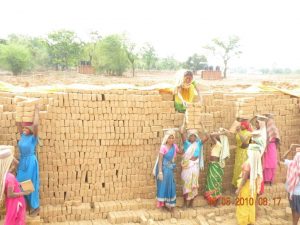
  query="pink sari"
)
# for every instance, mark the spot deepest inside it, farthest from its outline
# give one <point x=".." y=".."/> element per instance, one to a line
<point x="15" y="207"/>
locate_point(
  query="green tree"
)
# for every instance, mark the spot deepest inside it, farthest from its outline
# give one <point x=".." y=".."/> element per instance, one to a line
<point x="39" y="53"/>
<point x="196" y="62"/>
<point x="90" y="46"/>
<point x="149" y="57"/>
<point x="225" y="49"/>
<point x="3" y="41"/>
<point x="168" y="63"/>
<point x="64" y="49"/>
<point x="37" y="47"/>
<point x="110" y="55"/>
<point x="15" y="57"/>
<point x="132" y="54"/>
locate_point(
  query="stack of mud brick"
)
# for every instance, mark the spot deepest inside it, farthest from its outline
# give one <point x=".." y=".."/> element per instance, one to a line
<point x="100" y="145"/>
<point x="222" y="109"/>
<point x="211" y="75"/>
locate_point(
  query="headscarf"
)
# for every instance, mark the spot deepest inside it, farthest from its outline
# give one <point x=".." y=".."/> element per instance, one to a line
<point x="247" y="125"/>
<point x="263" y="133"/>
<point x="254" y="159"/>
<point x="272" y="130"/>
<point x="255" y="151"/>
<point x="225" y="151"/>
<point x="191" y="132"/>
<point x="293" y="174"/>
<point x="181" y="78"/>
<point x="168" y="133"/>
<point x="6" y="158"/>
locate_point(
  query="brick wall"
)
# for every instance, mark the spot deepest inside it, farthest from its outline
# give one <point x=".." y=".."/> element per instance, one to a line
<point x="100" y="145"/>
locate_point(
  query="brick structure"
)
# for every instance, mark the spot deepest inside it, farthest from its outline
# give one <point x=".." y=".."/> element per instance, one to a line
<point x="211" y="75"/>
<point x="99" y="146"/>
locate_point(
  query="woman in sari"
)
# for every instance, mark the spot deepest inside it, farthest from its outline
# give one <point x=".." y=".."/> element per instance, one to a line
<point x="250" y="182"/>
<point x="9" y="187"/>
<point x="293" y="182"/>
<point x="270" y="160"/>
<point x="185" y="91"/>
<point x="214" y="179"/>
<point x="164" y="172"/>
<point x="191" y="163"/>
<point x="243" y="136"/>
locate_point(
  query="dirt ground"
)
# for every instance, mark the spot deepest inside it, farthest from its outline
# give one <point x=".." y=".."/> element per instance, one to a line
<point x="233" y="81"/>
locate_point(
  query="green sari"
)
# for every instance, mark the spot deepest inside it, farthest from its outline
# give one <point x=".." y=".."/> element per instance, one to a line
<point x="214" y="179"/>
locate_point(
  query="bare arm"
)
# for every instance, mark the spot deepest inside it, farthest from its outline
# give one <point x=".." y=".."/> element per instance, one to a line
<point x="245" y="140"/>
<point x="160" y="158"/>
<point x="213" y="137"/>
<point x="205" y="139"/>
<point x="252" y="119"/>
<point x="15" y="161"/>
<point x="199" y="94"/>
<point x="19" y="126"/>
<point x="179" y="94"/>
<point x="181" y="130"/>
<point x="36" y="121"/>
<point x="286" y="153"/>
<point x="12" y="194"/>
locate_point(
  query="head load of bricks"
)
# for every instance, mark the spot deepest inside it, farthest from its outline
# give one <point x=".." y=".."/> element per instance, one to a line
<point x="97" y="147"/>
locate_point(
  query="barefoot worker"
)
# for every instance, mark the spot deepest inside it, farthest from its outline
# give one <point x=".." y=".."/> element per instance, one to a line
<point x="191" y="163"/>
<point x="28" y="168"/>
<point x="250" y="181"/>
<point x="10" y="188"/>
<point x="243" y="135"/>
<point x="270" y="157"/>
<point x="214" y="179"/>
<point x="164" y="172"/>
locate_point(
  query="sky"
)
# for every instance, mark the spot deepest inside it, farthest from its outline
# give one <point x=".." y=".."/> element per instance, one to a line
<point x="269" y="30"/>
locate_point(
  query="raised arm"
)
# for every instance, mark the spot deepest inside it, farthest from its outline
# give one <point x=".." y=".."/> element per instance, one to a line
<point x="36" y="121"/>
<point x="199" y="94"/>
<point x="213" y="137"/>
<point x="206" y="137"/>
<point x="19" y="126"/>
<point x="183" y="134"/>
<point x="286" y="153"/>
<point x="16" y="162"/>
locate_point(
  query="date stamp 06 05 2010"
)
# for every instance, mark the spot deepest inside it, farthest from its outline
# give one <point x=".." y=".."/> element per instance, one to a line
<point x="239" y="201"/>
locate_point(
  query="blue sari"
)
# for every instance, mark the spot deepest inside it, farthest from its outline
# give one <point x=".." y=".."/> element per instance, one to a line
<point x="166" y="189"/>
